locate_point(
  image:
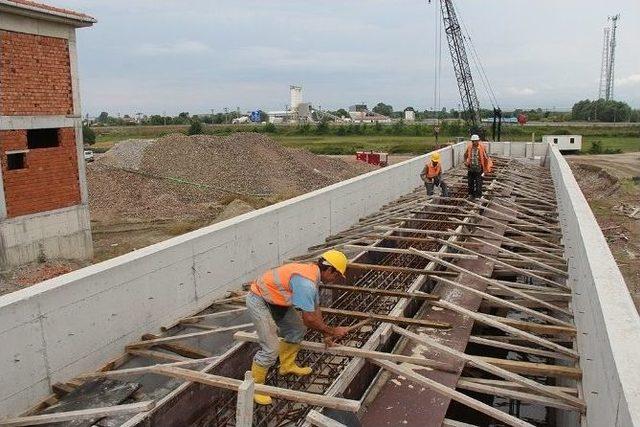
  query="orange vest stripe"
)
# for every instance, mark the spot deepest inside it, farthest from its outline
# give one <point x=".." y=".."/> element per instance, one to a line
<point x="274" y="286"/>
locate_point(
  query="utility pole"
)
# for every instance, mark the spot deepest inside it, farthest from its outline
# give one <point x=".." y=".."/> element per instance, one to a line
<point x="226" y="115"/>
<point x="607" y="68"/>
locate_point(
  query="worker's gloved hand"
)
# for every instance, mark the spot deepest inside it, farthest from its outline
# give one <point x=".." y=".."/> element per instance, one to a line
<point x="482" y="174"/>
<point x="339" y="331"/>
<point x="329" y="341"/>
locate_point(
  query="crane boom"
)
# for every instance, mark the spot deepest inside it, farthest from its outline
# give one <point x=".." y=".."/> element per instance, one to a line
<point x="470" y="104"/>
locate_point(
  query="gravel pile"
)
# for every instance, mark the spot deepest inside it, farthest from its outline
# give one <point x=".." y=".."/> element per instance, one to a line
<point x="126" y="154"/>
<point x="194" y="177"/>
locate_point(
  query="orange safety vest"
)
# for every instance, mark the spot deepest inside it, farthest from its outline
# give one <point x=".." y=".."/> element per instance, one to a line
<point x="274" y="286"/>
<point x="485" y="161"/>
<point x="431" y="171"/>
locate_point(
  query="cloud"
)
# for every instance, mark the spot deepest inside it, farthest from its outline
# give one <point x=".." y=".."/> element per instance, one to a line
<point x="185" y="47"/>
<point x="521" y="91"/>
<point x="632" y="80"/>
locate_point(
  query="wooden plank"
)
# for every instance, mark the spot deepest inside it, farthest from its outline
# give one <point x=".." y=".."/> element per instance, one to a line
<point x="442" y="221"/>
<point x="482" y="318"/>
<point x="157" y="355"/>
<point x="508" y="384"/>
<point x="506" y="265"/>
<point x="385" y="292"/>
<point x="389" y="319"/>
<point x="83" y="414"/>
<point x="340" y="350"/>
<point x="524" y="245"/>
<point x="453" y="423"/>
<point x="537" y="369"/>
<point x="392" y="269"/>
<point x="506" y="303"/>
<point x="495" y="283"/>
<point x="479" y="363"/>
<point x="537" y="328"/>
<point x="133" y="372"/>
<point x="455" y="395"/>
<point x="193" y="319"/>
<point x="406" y="251"/>
<point x="518" y="348"/>
<point x="277" y="392"/>
<point x="164" y="340"/>
<point x="181" y="349"/>
<point x="513" y="394"/>
<point x="244" y="405"/>
<point x="315" y="418"/>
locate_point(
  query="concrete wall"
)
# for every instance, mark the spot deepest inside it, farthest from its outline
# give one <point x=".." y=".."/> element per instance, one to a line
<point x="607" y="321"/>
<point x="76" y="322"/>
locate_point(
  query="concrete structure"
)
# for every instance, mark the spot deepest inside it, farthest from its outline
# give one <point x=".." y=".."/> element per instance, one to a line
<point x="296" y="97"/>
<point x="564" y="142"/>
<point x="74" y="323"/>
<point x="409" y="115"/>
<point x="43" y="200"/>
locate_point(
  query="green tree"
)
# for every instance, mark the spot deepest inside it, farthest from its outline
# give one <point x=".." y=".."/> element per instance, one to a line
<point x="88" y="135"/>
<point x="384" y="109"/>
<point x="195" y="128"/>
<point x="342" y="113"/>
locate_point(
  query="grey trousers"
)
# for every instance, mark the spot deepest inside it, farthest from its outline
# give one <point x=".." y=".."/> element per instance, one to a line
<point x="439" y="182"/>
<point x="290" y="328"/>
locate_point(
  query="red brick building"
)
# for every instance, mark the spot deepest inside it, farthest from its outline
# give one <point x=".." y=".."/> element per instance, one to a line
<point x="43" y="198"/>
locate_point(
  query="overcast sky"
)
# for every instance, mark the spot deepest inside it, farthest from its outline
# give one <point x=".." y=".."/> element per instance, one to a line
<point x="156" y="56"/>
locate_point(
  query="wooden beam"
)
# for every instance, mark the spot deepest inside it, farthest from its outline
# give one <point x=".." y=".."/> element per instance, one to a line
<point x="537" y="328"/>
<point x="277" y="392"/>
<point x="392" y="269"/>
<point x="508" y="384"/>
<point x="407" y="252"/>
<point x="518" y="348"/>
<point x="340" y="350"/>
<point x="164" y="340"/>
<point x="134" y="372"/>
<point x="194" y="319"/>
<point x="315" y="418"/>
<point x="536" y="369"/>
<point x="483" y="318"/>
<point x="181" y="349"/>
<point x="157" y="355"/>
<point x="452" y="394"/>
<point x="513" y="394"/>
<point x="412" y="239"/>
<point x="385" y="292"/>
<point x="479" y="363"/>
<point x="443" y="221"/>
<point x="244" y="405"/>
<point x="505" y="303"/>
<point x="84" y="414"/>
<point x="495" y="283"/>
<point x="387" y="319"/>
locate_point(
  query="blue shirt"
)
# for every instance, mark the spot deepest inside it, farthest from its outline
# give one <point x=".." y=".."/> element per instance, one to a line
<point x="304" y="293"/>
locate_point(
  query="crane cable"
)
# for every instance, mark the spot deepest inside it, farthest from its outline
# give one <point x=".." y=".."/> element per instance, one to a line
<point x="478" y="63"/>
<point x="437" y="61"/>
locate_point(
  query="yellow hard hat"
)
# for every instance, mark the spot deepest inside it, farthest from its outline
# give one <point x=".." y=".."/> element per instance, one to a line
<point x="435" y="157"/>
<point x="336" y="259"/>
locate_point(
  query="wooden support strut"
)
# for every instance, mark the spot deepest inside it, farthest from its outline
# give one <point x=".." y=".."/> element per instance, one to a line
<point x="393" y="269"/>
<point x="479" y="363"/>
<point x="385" y="292"/>
<point x="497" y="284"/>
<point x="83" y="414"/>
<point x="406" y="251"/>
<point x="163" y="340"/>
<point x="389" y="319"/>
<point x="340" y="350"/>
<point x="277" y="392"/>
<point x="453" y="394"/>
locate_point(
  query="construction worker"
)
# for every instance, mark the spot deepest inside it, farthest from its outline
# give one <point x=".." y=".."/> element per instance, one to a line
<point x="432" y="176"/>
<point x="478" y="164"/>
<point x="274" y="303"/>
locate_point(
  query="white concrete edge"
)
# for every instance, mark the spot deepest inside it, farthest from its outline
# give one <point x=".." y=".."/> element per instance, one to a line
<point x="620" y="317"/>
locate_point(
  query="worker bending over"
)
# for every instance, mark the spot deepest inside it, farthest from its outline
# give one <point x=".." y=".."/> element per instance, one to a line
<point x="478" y="164"/>
<point x="432" y="176"/>
<point x="273" y="305"/>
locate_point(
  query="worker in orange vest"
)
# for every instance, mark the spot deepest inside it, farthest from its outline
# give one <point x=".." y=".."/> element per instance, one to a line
<point x="432" y="176"/>
<point x="478" y="164"/>
<point x="274" y="303"/>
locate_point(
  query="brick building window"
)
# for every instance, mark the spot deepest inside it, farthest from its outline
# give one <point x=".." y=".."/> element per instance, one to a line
<point x="42" y="138"/>
<point x="16" y="161"/>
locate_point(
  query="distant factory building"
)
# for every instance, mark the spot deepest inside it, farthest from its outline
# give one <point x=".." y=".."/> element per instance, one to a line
<point x="409" y="114"/>
<point x="360" y="113"/>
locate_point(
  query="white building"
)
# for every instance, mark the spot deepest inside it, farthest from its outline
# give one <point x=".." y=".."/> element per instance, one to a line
<point x="564" y="142"/>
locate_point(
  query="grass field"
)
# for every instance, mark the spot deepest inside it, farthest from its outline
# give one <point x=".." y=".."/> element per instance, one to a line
<point x="626" y="139"/>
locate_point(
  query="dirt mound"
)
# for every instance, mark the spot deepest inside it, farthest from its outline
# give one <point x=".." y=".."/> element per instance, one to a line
<point x="245" y="163"/>
<point x="233" y="209"/>
<point x="179" y="176"/>
<point x="595" y="180"/>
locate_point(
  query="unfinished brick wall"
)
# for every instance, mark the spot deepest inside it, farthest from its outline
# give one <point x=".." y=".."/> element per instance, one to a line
<point x="50" y="179"/>
<point x="35" y="75"/>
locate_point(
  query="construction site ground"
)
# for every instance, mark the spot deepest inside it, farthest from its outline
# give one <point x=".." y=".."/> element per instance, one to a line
<point x="611" y="184"/>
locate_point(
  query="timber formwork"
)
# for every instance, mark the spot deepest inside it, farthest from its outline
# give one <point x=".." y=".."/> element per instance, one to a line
<point x="476" y="288"/>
